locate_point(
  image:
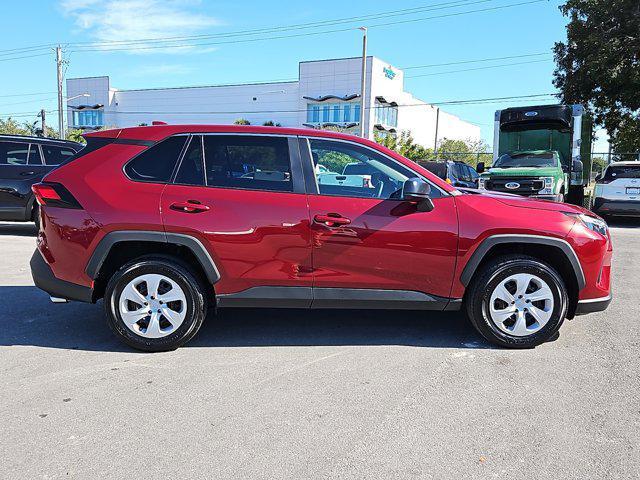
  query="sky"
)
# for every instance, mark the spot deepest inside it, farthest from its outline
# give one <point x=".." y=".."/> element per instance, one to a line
<point x="462" y="31"/>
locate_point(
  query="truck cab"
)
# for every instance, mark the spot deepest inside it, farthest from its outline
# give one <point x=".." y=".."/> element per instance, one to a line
<point x="542" y="151"/>
<point x="534" y="173"/>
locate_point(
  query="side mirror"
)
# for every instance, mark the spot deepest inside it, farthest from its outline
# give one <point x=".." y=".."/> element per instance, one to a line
<point x="480" y="168"/>
<point x="576" y="172"/>
<point x="416" y="190"/>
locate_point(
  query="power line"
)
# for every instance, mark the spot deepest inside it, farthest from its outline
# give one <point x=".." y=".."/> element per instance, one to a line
<point x="26" y="56"/>
<point x="306" y="34"/>
<point x="476" y="68"/>
<point x="237" y="112"/>
<point x="386" y="14"/>
<point x="511" y="57"/>
<point x="262" y="30"/>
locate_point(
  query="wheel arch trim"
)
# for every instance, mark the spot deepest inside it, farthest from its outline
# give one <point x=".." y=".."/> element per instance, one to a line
<point x="488" y="243"/>
<point x="105" y="245"/>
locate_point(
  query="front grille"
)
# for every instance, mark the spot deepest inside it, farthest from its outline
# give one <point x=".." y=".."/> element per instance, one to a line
<point x="527" y="186"/>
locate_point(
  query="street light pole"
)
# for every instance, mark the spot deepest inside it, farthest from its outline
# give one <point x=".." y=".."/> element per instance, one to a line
<point x="363" y="85"/>
<point x="60" y="111"/>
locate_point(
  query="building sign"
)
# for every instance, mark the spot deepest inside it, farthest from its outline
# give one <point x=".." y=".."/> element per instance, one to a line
<point x="389" y="73"/>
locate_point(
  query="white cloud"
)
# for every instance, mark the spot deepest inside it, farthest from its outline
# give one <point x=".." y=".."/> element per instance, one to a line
<point x="123" y="20"/>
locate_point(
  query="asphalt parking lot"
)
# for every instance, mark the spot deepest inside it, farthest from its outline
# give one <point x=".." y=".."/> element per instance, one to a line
<point x="293" y="394"/>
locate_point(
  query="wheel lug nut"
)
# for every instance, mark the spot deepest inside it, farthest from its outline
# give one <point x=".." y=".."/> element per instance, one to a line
<point x="159" y="311"/>
<point x="150" y="312"/>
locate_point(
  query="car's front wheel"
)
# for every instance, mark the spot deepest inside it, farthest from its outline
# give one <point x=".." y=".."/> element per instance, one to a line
<point x="155" y="304"/>
<point x="517" y="301"/>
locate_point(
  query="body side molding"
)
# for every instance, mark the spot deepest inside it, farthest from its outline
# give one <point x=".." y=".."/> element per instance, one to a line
<point x="340" y="298"/>
<point x="490" y="242"/>
<point x="110" y="239"/>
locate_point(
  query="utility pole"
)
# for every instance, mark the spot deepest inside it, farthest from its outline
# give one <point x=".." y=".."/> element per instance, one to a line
<point x="435" y="143"/>
<point x="60" y="110"/>
<point x="363" y="85"/>
<point x="44" y="122"/>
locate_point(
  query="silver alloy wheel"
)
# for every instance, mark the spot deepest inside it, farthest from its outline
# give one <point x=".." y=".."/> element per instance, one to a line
<point x="521" y="304"/>
<point x="152" y="306"/>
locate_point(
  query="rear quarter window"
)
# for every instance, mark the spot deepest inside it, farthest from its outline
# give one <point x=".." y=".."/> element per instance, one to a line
<point x="156" y="164"/>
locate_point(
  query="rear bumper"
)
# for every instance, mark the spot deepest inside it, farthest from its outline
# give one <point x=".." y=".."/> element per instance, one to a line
<point x="45" y="280"/>
<point x="593" y="305"/>
<point x="603" y="206"/>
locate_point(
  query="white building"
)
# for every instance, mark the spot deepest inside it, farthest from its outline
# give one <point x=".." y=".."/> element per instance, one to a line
<point x="327" y="93"/>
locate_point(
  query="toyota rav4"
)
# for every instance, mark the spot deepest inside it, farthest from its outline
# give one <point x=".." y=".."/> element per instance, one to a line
<point x="164" y="222"/>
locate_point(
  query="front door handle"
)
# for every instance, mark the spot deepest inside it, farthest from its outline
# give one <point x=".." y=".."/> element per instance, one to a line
<point x="24" y="174"/>
<point x="331" y="220"/>
<point x="190" y="206"/>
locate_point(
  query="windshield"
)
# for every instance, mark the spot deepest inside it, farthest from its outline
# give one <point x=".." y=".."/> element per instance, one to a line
<point x="622" y="171"/>
<point x="526" y="159"/>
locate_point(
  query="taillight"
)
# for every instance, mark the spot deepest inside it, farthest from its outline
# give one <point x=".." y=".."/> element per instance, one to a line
<point x="54" y="195"/>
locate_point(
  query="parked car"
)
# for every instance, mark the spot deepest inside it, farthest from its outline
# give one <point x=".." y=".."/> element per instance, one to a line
<point x="617" y="190"/>
<point x="458" y="174"/>
<point x="23" y="162"/>
<point x="157" y="221"/>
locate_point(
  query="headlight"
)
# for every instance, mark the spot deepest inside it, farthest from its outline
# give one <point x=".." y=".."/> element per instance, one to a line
<point x="592" y="223"/>
<point x="548" y="186"/>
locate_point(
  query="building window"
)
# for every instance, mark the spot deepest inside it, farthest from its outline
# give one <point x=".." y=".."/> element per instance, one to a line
<point x="88" y="118"/>
<point x="386" y="115"/>
<point x="347" y="113"/>
<point x="336" y="113"/>
<point x="325" y="113"/>
<point x="333" y="112"/>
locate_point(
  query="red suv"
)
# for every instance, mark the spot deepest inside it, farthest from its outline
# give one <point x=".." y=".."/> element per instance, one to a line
<point x="164" y="222"/>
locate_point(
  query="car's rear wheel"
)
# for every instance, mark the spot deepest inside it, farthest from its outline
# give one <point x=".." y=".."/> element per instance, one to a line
<point x="155" y="304"/>
<point x="517" y="301"/>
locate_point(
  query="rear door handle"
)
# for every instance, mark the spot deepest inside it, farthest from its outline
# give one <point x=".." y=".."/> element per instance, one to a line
<point x="190" y="206"/>
<point x="331" y="220"/>
<point x="24" y="174"/>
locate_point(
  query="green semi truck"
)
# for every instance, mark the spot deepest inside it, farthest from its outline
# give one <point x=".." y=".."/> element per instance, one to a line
<point x="541" y="151"/>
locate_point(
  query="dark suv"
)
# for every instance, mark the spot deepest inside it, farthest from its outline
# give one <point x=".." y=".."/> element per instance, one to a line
<point x="164" y="221"/>
<point x="23" y="162"/>
<point x="458" y="174"/>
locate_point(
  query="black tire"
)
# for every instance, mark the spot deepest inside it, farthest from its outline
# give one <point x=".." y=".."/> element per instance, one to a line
<point x="191" y="284"/>
<point x="493" y="272"/>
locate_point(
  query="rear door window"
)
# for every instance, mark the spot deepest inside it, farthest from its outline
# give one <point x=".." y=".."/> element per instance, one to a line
<point x="56" y="155"/>
<point x="14" y="153"/>
<point x="248" y="162"/>
<point x="34" y="155"/>
<point x="156" y="164"/>
<point x="191" y="170"/>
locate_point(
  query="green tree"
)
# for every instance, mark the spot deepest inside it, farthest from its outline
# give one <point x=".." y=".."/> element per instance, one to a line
<point x="242" y="121"/>
<point x="599" y="65"/>
<point x="11" y="127"/>
<point x="271" y="123"/>
<point x="76" y="136"/>
<point x="470" y="151"/>
<point x="404" y="145"/>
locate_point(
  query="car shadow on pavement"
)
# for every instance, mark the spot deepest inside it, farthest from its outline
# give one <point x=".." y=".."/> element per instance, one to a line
<point x="623" y="222"/>
<point x="29" y="318"/>
<point x="27" y="229"/>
